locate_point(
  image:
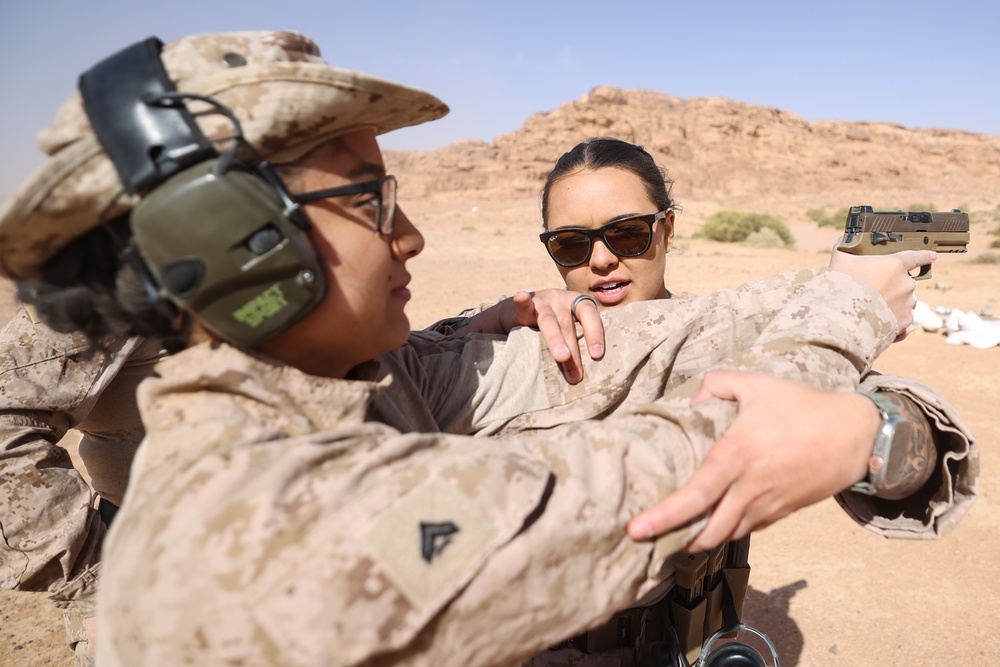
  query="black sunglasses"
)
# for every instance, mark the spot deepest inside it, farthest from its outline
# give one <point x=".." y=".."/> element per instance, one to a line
<point x="625" y="238"/>
<point x="385" y="197"/>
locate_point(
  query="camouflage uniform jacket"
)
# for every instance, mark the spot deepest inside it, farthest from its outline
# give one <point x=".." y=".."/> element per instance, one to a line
<point x="50" y="383"/>
<point x="270" y="521"/>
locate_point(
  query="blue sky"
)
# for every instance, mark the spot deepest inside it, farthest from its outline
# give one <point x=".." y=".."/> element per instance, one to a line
<point x="917" y="63"/>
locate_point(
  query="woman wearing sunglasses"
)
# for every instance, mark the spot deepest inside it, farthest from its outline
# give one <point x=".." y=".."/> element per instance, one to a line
<point x="609" y="224"/>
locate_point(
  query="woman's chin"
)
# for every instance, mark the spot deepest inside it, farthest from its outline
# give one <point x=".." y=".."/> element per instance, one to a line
<point x="398" y="333"/>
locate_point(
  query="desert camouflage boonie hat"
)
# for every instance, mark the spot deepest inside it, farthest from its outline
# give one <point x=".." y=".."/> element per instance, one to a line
<point x="286" y="97"/>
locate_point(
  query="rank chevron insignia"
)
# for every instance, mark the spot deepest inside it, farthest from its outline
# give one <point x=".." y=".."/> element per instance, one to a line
<point x="434" y="537"/>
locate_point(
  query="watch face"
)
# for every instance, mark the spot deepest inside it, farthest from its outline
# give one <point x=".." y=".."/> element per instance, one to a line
<point x="890" y="466"/>
<point x="895" y="433"/>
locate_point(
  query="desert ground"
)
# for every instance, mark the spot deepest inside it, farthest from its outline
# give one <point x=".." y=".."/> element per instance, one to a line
<point x="827" y="592"/>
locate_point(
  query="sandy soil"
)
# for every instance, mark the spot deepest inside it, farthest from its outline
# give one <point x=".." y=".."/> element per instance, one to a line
<point x="826" y="591"/>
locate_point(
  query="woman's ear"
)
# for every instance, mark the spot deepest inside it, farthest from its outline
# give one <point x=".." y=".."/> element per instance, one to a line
<point x="668" y="231"/>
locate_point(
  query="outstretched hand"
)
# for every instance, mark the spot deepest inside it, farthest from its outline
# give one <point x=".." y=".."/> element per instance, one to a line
<point x="791" y="446"/>
<point x="890" y="275"/>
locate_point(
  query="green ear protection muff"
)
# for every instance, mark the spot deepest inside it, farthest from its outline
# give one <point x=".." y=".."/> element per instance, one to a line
<point x="224" y="249"/>
<point x="217" y="237"/>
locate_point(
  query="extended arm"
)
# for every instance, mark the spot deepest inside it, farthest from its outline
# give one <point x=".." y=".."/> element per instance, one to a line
<point x="453" y="534"/>
<point x="652" y="346"/>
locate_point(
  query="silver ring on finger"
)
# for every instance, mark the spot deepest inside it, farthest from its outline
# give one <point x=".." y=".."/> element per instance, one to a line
<point x="576" y="302"/>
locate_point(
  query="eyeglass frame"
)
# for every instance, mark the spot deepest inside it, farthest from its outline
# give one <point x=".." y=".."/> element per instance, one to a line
<point x="385" y="222"/>
<point x="650" y="219"/>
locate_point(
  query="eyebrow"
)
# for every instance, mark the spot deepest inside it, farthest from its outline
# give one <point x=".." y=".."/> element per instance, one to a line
<point x="366" y="168"/>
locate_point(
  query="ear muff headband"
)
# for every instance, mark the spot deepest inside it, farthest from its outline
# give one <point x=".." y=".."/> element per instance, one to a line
<point x="222" y="240"/>
<point x="147" y="143"/>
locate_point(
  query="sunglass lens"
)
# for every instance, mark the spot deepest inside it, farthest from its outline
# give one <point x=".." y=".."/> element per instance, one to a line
<point x="568" y="248"/>
<point x="628" y="238"/>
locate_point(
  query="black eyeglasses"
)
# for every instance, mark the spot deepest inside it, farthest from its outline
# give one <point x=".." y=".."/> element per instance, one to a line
<point x="625" y="238"/>
<point x="385" y="199"/>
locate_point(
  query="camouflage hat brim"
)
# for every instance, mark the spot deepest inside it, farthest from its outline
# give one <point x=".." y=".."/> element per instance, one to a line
<point x="286" y="98"/>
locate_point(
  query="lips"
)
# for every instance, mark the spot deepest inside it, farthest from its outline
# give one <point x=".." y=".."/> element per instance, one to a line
<point x="611" y="292"/>
<point x="403" y="291"/>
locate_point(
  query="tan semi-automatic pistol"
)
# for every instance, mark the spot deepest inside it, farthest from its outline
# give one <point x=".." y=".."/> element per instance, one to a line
<point x="869" y="232"/>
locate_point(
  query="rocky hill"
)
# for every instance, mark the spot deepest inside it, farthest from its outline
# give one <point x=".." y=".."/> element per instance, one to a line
<point x="724" y="151"/>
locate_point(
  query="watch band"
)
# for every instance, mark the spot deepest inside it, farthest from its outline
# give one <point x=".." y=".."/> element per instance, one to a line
<point x="883" y="444"/>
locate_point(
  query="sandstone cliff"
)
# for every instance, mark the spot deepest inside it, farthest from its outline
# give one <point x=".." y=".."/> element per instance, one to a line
<point x="724" y="151"/>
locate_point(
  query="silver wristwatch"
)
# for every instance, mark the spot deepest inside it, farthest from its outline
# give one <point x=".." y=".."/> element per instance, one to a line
<point x="887" y="433"/>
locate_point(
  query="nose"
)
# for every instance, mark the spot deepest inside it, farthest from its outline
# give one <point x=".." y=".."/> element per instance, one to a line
<point x="407" y="241"/>
<point x="600" y="257"/>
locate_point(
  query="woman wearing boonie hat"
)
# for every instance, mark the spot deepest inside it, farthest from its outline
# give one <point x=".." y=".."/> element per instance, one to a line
<point x="268" y="520"/>
<point x="55" y="380"/>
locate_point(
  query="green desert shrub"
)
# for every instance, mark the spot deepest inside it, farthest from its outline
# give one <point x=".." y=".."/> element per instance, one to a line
<point x="996" y="229"/>
<point x="735" y="226"/>
<point x="765" y="237"/>
<point x="835" y="219"/>
<point x="816" y="214"/>
<point x="986" y="258"/>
